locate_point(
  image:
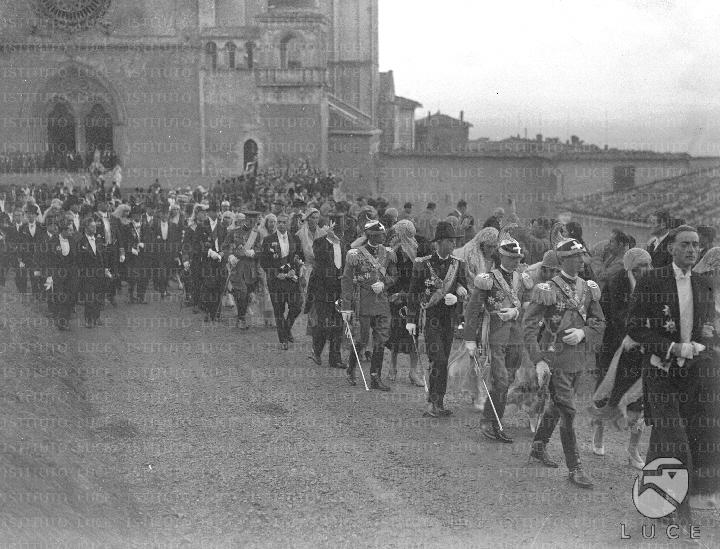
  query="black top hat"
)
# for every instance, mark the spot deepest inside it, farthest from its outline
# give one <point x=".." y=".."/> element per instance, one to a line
<point x="444" y="230"/>
<point x="136" y="210"/>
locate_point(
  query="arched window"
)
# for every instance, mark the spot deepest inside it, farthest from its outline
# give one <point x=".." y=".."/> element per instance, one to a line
<point x="211" y="54"/>
<point x="250" y="54"/>
<point x="291" y="52"/>
<point x="231" y="48"/>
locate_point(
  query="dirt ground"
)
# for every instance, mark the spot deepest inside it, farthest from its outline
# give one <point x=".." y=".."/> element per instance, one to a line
<point x="160" y="431"/>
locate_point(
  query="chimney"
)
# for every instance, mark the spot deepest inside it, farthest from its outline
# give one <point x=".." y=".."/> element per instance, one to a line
<point x="538" y="138"/>
<point x="462" y="115"/>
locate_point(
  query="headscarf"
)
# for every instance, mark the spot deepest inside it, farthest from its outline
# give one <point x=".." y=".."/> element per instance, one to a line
<point x="475" y="262"/>
<point x="405" y="231"/>
<point x="634" y="257"/>
<point x="709" y="262"/>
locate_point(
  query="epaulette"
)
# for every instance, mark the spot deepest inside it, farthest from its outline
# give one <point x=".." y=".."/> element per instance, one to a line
<point x="421" y="259"/>
<point x="594" y="290"/>
<point x="352" y="257"/>
<point x="483" y="281"/>
<point x="527" y="281"/>
<point x="543" y="294"/>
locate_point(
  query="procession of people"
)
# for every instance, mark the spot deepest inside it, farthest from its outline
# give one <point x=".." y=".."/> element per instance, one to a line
<point x="521" y="298"/>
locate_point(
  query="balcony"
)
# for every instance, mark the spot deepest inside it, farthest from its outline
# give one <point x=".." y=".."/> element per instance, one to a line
<point x="290" y="77"/>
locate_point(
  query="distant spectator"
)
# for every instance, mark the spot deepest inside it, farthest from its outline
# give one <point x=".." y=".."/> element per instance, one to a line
<point x="406" y="212"/>
<point x="390" y="217"/>
<point x="607" y="256"/>
<point x="496" y="219"/>
<point x="707" y="238"/>
<point x="466" y="228"/>
<point x="574" y="230"/>
<point x="657" y="245"/>
<point x="426" y="221"/>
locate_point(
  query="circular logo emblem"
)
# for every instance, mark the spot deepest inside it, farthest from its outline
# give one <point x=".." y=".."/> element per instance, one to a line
<point x="661" y="487"/>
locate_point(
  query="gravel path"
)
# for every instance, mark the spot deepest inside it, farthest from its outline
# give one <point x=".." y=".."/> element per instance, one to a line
<point x="211" y="437"/>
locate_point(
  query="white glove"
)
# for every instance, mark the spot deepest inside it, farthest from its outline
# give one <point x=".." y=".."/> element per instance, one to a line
<point x="683" y="350"/>
<point x="36" y="273"/>
<point x="108" y="273"/>
<point x="122" y="258"/>
<point x="461" y="292"/>
<point x="697" y="347"/>
<point x="411" y="328"/>
<point x="250" y="253"/>
<point x="347" y="315"/>
<point x="134" y="251"/>
<point x="543" y="372"/>
<point x="708" y="330"/>
<point x="471" y="347"/>
<point x="378" y="287"/>
<point x="233" y="260"/>
<point x="508" y="313"/>
<point x="450" y="299"/>
<point x="186" y="264"/>
<point x="573" y="336"/>
<point x="141" y="246"/>
<point x="48" y="283"/>
<point x="21" y="264"/>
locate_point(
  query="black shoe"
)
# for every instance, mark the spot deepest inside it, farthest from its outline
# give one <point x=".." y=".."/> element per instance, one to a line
<point x="443" y="412"/>
<point x="350" y="375"/>
<point x="316" y="359"/>
<point x="284" y="345"/>
<point x="290" y="338"/>
<point x="493" y="433"/>
<point x="431" y="411"/>
<point x="376" y="383"/>
<point x="579" y="478"/>
<point x="539" y="452"/>
<point x="338" y="365"/>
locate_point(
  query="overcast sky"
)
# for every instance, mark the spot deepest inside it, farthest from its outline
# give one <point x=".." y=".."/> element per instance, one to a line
<point x="644" y="73"/>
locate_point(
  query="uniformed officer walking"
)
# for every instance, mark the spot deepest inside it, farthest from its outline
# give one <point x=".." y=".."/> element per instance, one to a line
<point x="495" y="305"/>
<point x="369" y="269"/>
<point x="438" y="281"/>
<point x="565" y="313"/>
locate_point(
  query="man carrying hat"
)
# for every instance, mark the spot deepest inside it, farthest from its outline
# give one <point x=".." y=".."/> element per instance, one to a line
<point x="495" y="310"/>
<point x="564" y="323"/>
<point x="369" y="270"/>
<point x="135" y="255"/>
<point x="438" y="281"/>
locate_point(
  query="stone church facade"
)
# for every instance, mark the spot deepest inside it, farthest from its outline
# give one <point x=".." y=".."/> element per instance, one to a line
<point x="192" y="90"/>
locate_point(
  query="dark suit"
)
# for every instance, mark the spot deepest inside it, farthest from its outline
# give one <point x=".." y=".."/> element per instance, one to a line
<point x="111" y="249"/>
<point x="137" y="261"/>
<point x="660" y="256"/>
<point x="673" y="399"/>
<point x="164" y="253"/>
<point x="322" y="293"/>
<point x="283" y="291"/>
<point x="212" y="274"/>
<point x="91" y="276"/>
<point x="17" y="244"/>
<point x="62" y="269"/>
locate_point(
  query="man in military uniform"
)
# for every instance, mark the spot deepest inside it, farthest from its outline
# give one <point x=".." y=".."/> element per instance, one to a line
<point x="494" y="311"/>
<point x="369" y="269"/>
<point x="438" y="280"/>
<point x="564" y="323"/>
<point x="242" y="247"/>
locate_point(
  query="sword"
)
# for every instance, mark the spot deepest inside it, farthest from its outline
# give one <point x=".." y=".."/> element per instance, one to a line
<point x="541" y="405"/>
<point x="403" y="312"/>
<point x="348" y="331"/>
<point x="488" y="392"/>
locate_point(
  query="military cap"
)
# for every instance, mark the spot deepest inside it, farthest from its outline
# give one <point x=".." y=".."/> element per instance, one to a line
<point x="569" y="247"/>
<point x="374" y="226"/>
<point x="444" y="230"/>
<point x="510" y="247"/>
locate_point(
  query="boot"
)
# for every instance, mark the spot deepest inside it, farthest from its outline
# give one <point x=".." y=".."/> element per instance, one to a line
<point x="376" y="383"/>
<point x="443" y="412"/>
<point x="416" y="380"/>
<point x="431" y="410"/>
<point x="579" y="478"/>
<point x="493" y="432"/>
<point x="539" y="452"/>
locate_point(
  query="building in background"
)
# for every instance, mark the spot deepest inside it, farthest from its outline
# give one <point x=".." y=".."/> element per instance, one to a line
<point x="440" y="133"/>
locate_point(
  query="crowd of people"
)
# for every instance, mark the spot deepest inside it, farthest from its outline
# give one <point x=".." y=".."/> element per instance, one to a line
<point x="370" y="278"/>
